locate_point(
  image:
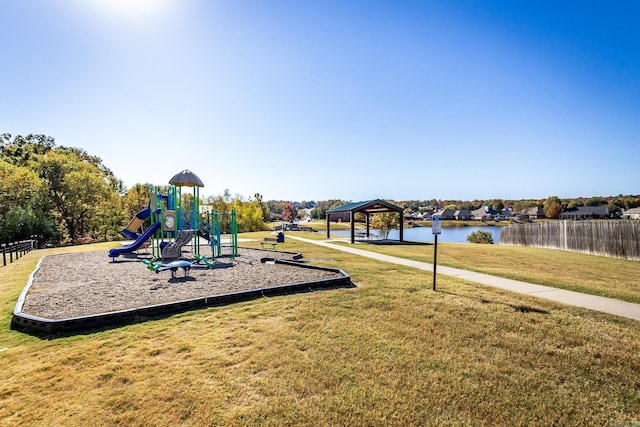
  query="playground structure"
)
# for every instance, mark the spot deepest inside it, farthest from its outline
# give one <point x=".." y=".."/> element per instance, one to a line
<point x="176" y="221"/>
<point x="76" y="291"/>
<point x="64" y="300"/>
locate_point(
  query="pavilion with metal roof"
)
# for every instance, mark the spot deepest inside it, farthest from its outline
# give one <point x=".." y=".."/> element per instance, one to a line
<point x="367" y="208"/>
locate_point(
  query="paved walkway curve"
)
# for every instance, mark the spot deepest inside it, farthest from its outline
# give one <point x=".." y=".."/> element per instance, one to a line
<point x="592" y="302"/>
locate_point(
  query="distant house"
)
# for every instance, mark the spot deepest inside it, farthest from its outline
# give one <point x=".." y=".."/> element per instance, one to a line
<point x="462" y="214"/>
<point x="485" y="213"/>
<point x="416" y="216"/>
<point x="633" y="213"/>
<point x="586" y="212"/>
<point x="502" y="216"/>
<point x="427" y="211"/>
<point x="534" y="212"/>
<point x="445" y="214"/>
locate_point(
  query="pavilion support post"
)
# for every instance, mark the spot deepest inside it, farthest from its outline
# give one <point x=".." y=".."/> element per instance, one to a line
<point x="353" y="228"/>
<point x="401" y="227"/>
<point x="328" y="225"/>
<point x="368" y="223"/>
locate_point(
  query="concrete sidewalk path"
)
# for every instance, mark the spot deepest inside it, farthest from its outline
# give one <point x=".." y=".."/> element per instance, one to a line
<point x="592" y="302"/>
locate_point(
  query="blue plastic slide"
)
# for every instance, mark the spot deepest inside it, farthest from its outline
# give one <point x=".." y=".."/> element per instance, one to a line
<point x="135" y="245"/>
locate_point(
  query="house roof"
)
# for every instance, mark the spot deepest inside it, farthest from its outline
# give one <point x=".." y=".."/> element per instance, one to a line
<point x="532" y="210"/>
<point x="632" y="211"/>
<point x="445" y="212"/>
<point x="587" y="210"/>
<point x="370" y="206"/>
<point x="484" y="211"/>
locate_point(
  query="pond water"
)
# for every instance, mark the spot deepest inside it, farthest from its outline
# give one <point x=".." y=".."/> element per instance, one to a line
<point x="423" y="234"/>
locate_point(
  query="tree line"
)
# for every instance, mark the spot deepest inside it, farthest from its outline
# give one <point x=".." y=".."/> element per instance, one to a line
<point x="553" y="206"/>
<point x="61" y="194"/>
<point x="64" y="194"/>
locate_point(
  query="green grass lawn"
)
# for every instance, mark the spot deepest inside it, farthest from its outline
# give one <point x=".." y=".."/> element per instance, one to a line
<point x="389" y="352"/>
<point x="591" y="274"/>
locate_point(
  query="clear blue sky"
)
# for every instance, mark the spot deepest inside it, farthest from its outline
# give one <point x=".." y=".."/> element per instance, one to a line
<point x="311" y="100"/>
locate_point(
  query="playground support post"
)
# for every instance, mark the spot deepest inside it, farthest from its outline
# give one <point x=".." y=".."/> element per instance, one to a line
<point x="156" y="217"/>
<point x="234" y="233"/>
<point x="215" y="235"/>
<point x="195" y="217"/>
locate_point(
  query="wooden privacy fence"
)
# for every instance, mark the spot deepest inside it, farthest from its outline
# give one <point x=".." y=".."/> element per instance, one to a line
<point x="13" y="251"/>
<point x="612" y="238"/>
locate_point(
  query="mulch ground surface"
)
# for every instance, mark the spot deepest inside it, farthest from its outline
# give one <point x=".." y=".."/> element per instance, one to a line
<point x="89" y="283"/>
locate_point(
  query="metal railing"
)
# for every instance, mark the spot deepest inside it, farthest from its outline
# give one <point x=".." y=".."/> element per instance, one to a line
<point x="14" y="250"/>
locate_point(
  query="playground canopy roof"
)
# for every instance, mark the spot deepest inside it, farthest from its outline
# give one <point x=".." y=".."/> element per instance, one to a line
<point x="367" y="207"/>
<point x="186" y="178"/>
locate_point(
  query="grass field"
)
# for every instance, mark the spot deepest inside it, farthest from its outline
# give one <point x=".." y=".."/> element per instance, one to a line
<point x="389" y="352"/>
<point x="595" y="275"/>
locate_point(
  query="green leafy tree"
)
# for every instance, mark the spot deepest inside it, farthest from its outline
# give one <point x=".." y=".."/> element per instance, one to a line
<point x="549" y="200"/>
<point x="385" y="222"/>
<point x="249" y="215"/>
<point x="109" y="219"/>
<point x="266" y="214"/>
<point x="218" y="204"/>
<point x="630" y="202"/>
<point x="24" y="150"/>
<point x="317" y="213"/>
<point x="360" y="217"/>
<point x="616" y="206"/>
<point x="23" y="205"/>
<point x="276" y="206"/>
<point x="20" y="223"/>
<point x="594" y="201"/>
<point x="135" y="199"/>
<point x="20" y="186"/>
<point x="320" y="210"/>
<point x="480" y="237"/>
<point x="70" y="192"/>
<point x="497" y="205"/>
<point x="77" y="189"/>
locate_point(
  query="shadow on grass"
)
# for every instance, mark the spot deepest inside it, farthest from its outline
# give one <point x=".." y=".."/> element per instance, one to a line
<point x="517" y="307"/>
